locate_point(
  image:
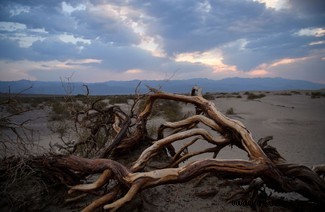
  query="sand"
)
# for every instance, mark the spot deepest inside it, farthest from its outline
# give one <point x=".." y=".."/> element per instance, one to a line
<point x="297" y="123"/>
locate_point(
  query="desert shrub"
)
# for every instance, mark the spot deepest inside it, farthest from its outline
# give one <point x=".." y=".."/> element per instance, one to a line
<point x="100" y="105"/>
<point x="35" y="104"/>
<point x="296" y="92"/>
<point x="4" y="123"/>
<point x="228" y="95"/>
<point x="58" y="108"/>
<point x="152" y="130"/>
<point x="284" y="94"/>
<point x="246" y="93"/>
<point x="252" y="96"/>
<point x="119" y="99"/>
<point x="79" y="106"/>
<point x="317" y="94"/>
<point x="39" y="101"/>
<point x="59" y="111"/>
<point x="169" y="109"/>
<point x="172" y="110"/>
<point x="209" y="96"/>
<point x="230" y="111"/>
<point x="60" y="127"/>
<point x="80" y="96"/>
<point x="14" y="107"/>
<point x="83" y="98"/>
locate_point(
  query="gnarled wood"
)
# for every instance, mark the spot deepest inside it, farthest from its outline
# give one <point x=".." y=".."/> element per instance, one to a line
<point x="265" y="164"/>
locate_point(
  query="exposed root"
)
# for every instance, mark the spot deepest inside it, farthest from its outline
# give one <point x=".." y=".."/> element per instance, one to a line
<point x="265" y="165"/>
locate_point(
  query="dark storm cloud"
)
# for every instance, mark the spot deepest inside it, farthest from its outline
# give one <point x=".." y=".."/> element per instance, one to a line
<point x="122" y="58"/>
<point x="89" y="26"/>
<point x="266" y="49"/>
<point x="186" y="28"/>
<point x="310" y="7"/>
<point x="11" y="51"/>
<point x="192" y="25"/>
<point x="51" y="49"/>
<point x="247" y="33"/>
<point x="48" y="15"/>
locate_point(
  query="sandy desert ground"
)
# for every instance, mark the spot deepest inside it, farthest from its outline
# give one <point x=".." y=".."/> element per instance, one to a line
<point x="296" y="121"/>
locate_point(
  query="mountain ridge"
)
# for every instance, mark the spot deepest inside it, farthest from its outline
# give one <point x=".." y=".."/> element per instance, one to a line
<point x="234" y="84"/>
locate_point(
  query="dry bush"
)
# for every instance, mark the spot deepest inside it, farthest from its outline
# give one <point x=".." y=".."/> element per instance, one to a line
<point x="230" y="111"/>
<point x="252" y="96"/>
<point x="317" y="94"/>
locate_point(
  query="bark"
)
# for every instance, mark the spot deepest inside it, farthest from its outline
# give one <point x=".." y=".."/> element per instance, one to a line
<point x="264" y="161"/>
<point x="298" y="178"/>
<point x="264" y="166"/>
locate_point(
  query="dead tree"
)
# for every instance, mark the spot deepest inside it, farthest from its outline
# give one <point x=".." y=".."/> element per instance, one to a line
<point x="264" y="166"/>
<point x="264" y="161"/>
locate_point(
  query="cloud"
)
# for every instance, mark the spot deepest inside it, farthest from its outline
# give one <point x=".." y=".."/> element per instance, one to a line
<point x="307" y="68"/>
<point x="134" y="71"/>
<point x="275" y="4"/>
<point x="154" y="39"/>
<point x="316" y="32"/>
<point x="308" y="8"/>
<point x="20" y="33"/>
<point x="287" y="61"/>
<point x="317" y="43"/>
<point x="186" y="27"/>
<point x="15" y="71"/>
<point x="211" y="58"/>
<point x="258" y="73"/>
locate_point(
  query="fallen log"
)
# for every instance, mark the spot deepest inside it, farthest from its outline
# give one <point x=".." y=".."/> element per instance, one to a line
<point x="264" y="162"/>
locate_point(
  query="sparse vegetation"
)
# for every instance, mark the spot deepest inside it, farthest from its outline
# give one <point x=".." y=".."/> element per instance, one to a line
<point x="296" y="92"/>
<point x="230" y="111"/>
<point x="173" y="112"/>
<point x="119" y="99"/>
<point x="252" y="96"/>
<point x="284" y="94"/>
<point x="152" y="130"/>
<point x="317" y="94"/>
<point x="209" y="96"/>
<point x="228" y="95"/>
<point x="169" y="109"/>
<point x="59" y="112"/>
<point x="15" y="135"/>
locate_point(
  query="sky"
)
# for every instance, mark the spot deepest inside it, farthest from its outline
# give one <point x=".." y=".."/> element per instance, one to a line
<point x="103" y="40"/>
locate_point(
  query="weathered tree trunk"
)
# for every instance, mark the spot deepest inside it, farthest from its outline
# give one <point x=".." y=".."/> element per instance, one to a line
<point x="264" y="161"/>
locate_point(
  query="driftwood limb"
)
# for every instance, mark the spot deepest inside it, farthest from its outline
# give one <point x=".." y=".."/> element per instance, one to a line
<point x="265" y="165"/>
<point x="264" y="161"/>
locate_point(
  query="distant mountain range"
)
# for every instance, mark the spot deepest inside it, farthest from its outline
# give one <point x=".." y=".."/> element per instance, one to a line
<point x="174" y="86"/>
